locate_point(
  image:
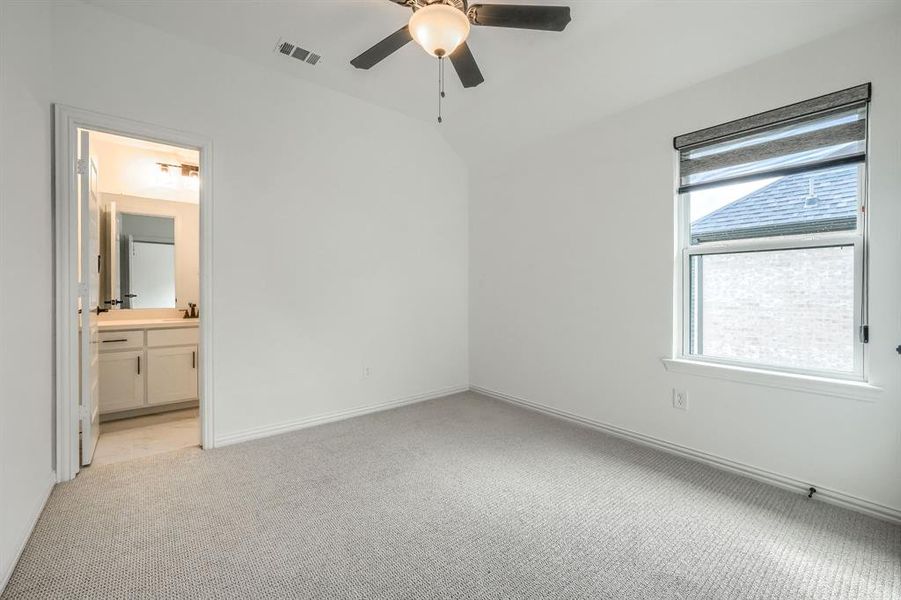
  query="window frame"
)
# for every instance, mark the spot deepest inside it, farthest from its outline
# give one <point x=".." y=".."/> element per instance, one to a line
<point x="685" y="250"/>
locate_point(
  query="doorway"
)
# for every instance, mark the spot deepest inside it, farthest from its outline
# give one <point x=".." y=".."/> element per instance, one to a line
<point x="133" y="220"/>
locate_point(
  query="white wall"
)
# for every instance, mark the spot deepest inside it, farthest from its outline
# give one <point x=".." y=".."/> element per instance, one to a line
<point x="332" y="250"/>
<point x="26" y="281"/>
<point x="572" y="277"/>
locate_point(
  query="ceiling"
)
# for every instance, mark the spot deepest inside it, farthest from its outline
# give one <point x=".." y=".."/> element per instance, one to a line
<point x="536" y="83"/>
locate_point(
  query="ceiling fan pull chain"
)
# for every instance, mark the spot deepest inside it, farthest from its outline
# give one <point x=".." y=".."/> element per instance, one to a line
<point x="440" y="85"/>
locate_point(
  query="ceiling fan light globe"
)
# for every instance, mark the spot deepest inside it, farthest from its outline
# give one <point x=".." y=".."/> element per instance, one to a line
<point x="439" y="28"/>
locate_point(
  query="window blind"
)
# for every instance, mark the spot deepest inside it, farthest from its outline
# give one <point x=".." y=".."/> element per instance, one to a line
<point x="819" y="133"/>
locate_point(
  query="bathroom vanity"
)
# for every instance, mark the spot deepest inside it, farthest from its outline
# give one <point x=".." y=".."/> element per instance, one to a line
<point x="147" y="365"/>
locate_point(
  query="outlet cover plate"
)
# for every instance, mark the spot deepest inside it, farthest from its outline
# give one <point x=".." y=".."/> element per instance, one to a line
<point x="680" y="399"/>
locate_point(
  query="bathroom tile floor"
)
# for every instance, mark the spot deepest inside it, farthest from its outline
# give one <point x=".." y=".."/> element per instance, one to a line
<point x="138" y="437"/>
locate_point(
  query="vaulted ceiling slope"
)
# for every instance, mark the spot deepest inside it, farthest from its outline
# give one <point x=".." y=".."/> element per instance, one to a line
<point x="614" y="54"/>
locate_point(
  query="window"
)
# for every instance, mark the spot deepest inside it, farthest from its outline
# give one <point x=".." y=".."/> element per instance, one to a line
<point x="772" y="233"/>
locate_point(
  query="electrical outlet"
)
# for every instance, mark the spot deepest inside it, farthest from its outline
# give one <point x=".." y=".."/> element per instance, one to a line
<point x="680" y="399"/>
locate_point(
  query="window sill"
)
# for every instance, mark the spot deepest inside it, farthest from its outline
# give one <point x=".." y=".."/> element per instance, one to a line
<point x="824" y="386"/>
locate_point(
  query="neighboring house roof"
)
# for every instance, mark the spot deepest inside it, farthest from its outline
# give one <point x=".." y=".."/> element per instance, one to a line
<point x="800" y="203"/>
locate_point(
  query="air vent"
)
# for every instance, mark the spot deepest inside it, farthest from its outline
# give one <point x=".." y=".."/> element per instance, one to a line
<point x="295" y="51"/>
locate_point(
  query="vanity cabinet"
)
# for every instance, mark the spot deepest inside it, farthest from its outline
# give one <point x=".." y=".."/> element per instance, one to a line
<point x="149" y="367"/>
<point x="171" y="374"/>
<point x="121" y="380"/>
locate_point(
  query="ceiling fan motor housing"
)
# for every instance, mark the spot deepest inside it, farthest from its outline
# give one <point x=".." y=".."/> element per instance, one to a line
<point x="461" y="5"/>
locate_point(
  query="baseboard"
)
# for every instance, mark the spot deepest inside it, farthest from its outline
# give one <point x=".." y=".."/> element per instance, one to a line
<point x="148" y="410"/>
<point x="31" y="522"/>
<point x="293" y="425"/>
<point x="782" y="481"/>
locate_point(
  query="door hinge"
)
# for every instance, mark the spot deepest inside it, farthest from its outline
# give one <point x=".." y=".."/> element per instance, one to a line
<point x="81" y="166"/>
<point x="864" y="334"/>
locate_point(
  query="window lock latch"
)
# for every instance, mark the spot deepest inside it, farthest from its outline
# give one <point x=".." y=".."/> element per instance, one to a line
<point x="864" y="334"/>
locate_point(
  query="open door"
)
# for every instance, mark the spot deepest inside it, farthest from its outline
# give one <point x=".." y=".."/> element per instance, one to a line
<point x="89" y="298"/>
<point x="113" y="253"/>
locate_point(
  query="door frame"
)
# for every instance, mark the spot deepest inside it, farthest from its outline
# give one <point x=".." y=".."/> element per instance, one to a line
<point x="67" y="121"/>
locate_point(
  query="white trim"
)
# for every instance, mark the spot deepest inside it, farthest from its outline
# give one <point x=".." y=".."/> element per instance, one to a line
<point x="264" y="431"/>
<point x="776" y="479"/>
<point x="30" y="524"/>
<point x="67" y="121"/>
<point x="767" y="244"/>
<point x="810" y="384"/>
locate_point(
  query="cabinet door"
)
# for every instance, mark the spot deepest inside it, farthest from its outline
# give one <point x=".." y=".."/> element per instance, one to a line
<point x="121" y="380"/>
<point x="171" y="374"/>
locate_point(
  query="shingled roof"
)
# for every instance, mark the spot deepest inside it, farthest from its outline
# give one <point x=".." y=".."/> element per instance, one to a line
<point x="801" y="203"/>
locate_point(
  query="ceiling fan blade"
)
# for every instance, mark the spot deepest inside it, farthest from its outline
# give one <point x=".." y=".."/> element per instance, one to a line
<point x="465" y="66"/>
<point x="383" y="49"/>
<point x="520" y="16"/>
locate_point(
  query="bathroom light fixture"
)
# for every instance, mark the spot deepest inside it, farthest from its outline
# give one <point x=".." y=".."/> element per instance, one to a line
<point x="186" y="170"/>
<point x="439" y="28"/>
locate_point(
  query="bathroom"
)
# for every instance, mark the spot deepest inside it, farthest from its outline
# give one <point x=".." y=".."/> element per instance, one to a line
<point x="140" y="342"/>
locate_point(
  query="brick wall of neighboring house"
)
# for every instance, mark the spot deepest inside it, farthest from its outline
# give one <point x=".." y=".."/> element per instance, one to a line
<point x="790" y="308"/>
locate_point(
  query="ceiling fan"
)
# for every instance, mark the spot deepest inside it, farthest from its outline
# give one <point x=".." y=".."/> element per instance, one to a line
<point x="442" y="26"/>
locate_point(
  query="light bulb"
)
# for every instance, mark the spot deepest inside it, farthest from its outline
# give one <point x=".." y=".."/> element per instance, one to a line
<point x="439" y="28"/>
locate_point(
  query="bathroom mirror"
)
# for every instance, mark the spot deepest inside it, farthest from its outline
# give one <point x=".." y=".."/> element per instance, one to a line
<point x="142" y="261"/>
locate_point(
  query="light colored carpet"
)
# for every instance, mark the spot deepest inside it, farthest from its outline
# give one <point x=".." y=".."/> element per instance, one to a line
<point x="462" y="497"/>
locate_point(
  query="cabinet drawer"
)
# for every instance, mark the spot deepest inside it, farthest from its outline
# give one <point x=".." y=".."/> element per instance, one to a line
<point x="121" y="340"/>
<point x="185" y="336"/>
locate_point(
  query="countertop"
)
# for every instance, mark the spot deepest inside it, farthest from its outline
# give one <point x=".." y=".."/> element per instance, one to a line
<point x="125" y="324"/>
